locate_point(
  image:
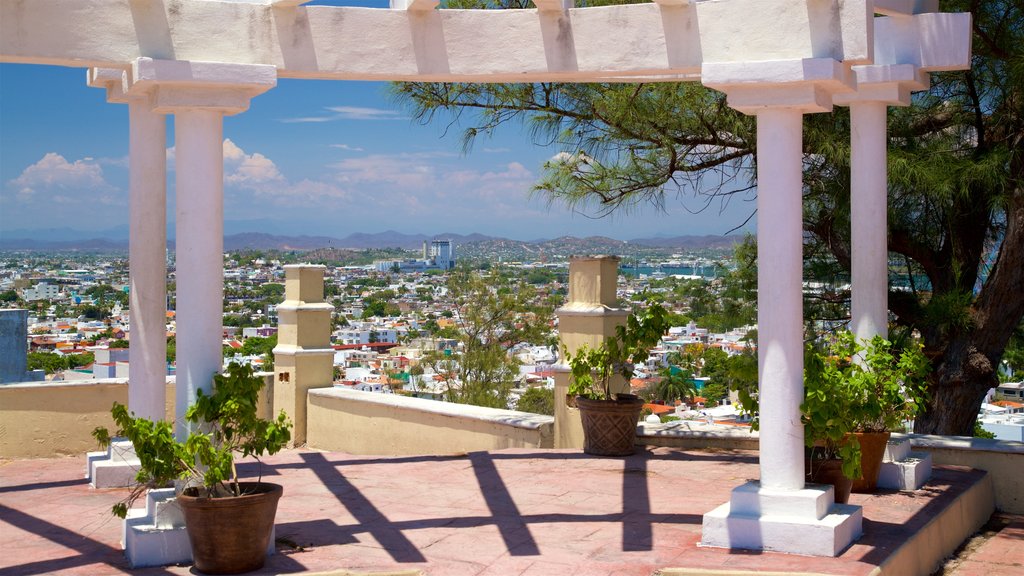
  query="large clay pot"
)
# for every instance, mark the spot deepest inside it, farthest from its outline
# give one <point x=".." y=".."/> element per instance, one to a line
<point x="872" y="449"/>
<point x="820" y="471"/>
<point x="231" y="535"/>
<point x="609" y="426"/>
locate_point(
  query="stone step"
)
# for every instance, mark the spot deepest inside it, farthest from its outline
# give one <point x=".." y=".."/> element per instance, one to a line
<point x="114" y="468"/>
<point x="909" y="473"/>
<point x="896" y="450"/>
<point x="156" y="535"/>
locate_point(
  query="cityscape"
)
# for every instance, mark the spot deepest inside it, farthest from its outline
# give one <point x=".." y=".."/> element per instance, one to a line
<point x="393" y="317"/>
<point x="409" y="287"/>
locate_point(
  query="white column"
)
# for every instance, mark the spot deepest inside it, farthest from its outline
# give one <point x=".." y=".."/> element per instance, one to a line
<point x="869" y="226"/>
<point x="147" y="247"/>
<point x="199" y="253"/>
<point x="780" y="296"/>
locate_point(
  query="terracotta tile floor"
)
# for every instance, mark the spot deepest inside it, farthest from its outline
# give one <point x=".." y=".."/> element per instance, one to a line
<point x="502" y="513"/>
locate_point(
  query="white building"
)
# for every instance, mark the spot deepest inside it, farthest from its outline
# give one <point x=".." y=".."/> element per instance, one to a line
<point x="41" y="291"/>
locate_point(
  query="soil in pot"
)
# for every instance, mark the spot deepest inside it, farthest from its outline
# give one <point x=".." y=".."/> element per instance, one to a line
<point x="609" y="426"/>
<point x="821" y="471"/>
<point x="872" y="449"/>
<point x="231" y="535"/>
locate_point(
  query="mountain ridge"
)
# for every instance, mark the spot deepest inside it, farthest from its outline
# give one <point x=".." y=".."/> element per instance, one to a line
<point x="78" y="240"/>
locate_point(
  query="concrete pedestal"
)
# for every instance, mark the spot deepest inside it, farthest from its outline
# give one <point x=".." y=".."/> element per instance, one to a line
<point x="902" y="469"/>
<point x="155" y="535"/>
<point x="802" y="521"/>
<point x="115" y="467"/>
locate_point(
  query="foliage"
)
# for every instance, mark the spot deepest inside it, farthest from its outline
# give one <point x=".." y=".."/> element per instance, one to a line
<point x="51" y="362"/>
<point x="980" y="432"/>
<point x="537" y="400"/>
<point x="675" y="384"/>
<point x="593" y="368"/>
<point x="493" y="313"/>
<point x="892" y="382"/>
<point x="714" y="393"/>
<point x="956" y="194"/>
<point x="223" y="424"/>
<point x="830" y="410"/>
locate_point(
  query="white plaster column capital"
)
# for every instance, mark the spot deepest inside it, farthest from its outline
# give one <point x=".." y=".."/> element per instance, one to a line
<point x="890" y="84"/>
<point x="113" y="80"/>
<point x="806" y="85"/>
<point x="176" y="85"/>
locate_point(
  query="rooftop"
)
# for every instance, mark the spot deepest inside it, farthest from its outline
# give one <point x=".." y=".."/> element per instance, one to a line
<point x="506" y="512"/>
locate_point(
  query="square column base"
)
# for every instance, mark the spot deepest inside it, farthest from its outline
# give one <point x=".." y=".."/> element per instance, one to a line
<point x="803" y="521"/>
<point x="114" y="468"/>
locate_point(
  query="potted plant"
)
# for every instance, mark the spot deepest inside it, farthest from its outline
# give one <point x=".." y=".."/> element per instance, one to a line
<point x="891" y="383"/>
<point x="229" y="522"/>
<point x="610" y="419"/>
<point x="829" y="413"/>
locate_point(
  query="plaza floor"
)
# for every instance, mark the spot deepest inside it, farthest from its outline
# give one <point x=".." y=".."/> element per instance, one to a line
<point x="500" y="513"/>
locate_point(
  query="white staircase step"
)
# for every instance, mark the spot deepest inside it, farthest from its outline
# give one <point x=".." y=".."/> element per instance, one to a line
<point x="114" y="468"/>
<point x="909" y="473"/>
<point x="156" y="535"/>
<point x="896" y="450"/>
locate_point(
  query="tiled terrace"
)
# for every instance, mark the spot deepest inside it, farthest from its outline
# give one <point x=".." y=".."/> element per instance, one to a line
<point x="509" y="512"/>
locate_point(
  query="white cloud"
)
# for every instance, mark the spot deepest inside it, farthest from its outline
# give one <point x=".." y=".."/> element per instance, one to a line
<point x="361" y="113"/>
<point x="348" y="113"/>
<point x="496" y="150"/>
<point x="248" y="170"/>
<point x="347" y="147"/>
<point x="54" y="174"/>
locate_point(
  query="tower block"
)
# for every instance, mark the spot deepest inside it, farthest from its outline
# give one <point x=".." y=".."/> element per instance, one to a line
<point x="587" y="319"/>
<point x="303" y="358"/>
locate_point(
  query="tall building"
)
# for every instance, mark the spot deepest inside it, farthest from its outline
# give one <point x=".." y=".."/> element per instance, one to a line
<point x="437" y="255"/>
<point x="14" y="348"/>
<point x="442" y="252"/>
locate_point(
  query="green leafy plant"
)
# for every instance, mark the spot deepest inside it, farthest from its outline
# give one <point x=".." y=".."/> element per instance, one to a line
<point x="593" y="368"/>
<point x="225" y="424"/>
<point x="831" y="407"/>
<point x="852" y="386"/>
<point x="892" y="383"/>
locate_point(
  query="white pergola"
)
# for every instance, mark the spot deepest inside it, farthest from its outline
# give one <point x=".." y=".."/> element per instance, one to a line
<point x="777" y="60"/>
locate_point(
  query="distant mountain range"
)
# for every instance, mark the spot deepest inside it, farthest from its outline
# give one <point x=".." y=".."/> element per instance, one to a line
<point x="116" y="239"/>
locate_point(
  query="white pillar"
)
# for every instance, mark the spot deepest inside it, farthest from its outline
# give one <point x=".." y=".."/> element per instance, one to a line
<point x="199" y="253"/>
<point x="147" y="247"/>
<point x="868" y="236"/>
<point x="780" y="296"/>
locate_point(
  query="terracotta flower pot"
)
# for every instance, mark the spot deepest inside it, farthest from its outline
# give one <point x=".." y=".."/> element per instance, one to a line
<point x="231" y="535"/>
<point x="829" y="471"/>
<point x="609" y="426"/>
<point x="872" y="449"/>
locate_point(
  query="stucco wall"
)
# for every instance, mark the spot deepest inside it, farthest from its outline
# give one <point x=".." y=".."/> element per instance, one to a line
<point x="42" y="420"/>
<point x="1004" y="460"/>
<point x="385" y="424"/>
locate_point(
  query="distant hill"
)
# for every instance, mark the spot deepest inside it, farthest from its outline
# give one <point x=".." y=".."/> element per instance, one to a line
<point x="84" y="245"/>
<point x="56" y="240"/>
<point x="690" y="242"/>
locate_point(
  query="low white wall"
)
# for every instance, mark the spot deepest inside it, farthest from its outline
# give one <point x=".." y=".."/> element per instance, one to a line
<point x="46" y="419"/>
<point x="1003" y="459"/>
<point x="389" y="424"/>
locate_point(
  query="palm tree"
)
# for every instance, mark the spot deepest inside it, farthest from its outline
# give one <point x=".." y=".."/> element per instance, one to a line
<point x="675" y="384"/>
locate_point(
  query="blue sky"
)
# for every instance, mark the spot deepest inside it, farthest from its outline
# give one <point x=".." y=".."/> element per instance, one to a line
<point x="309" y="157"/>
